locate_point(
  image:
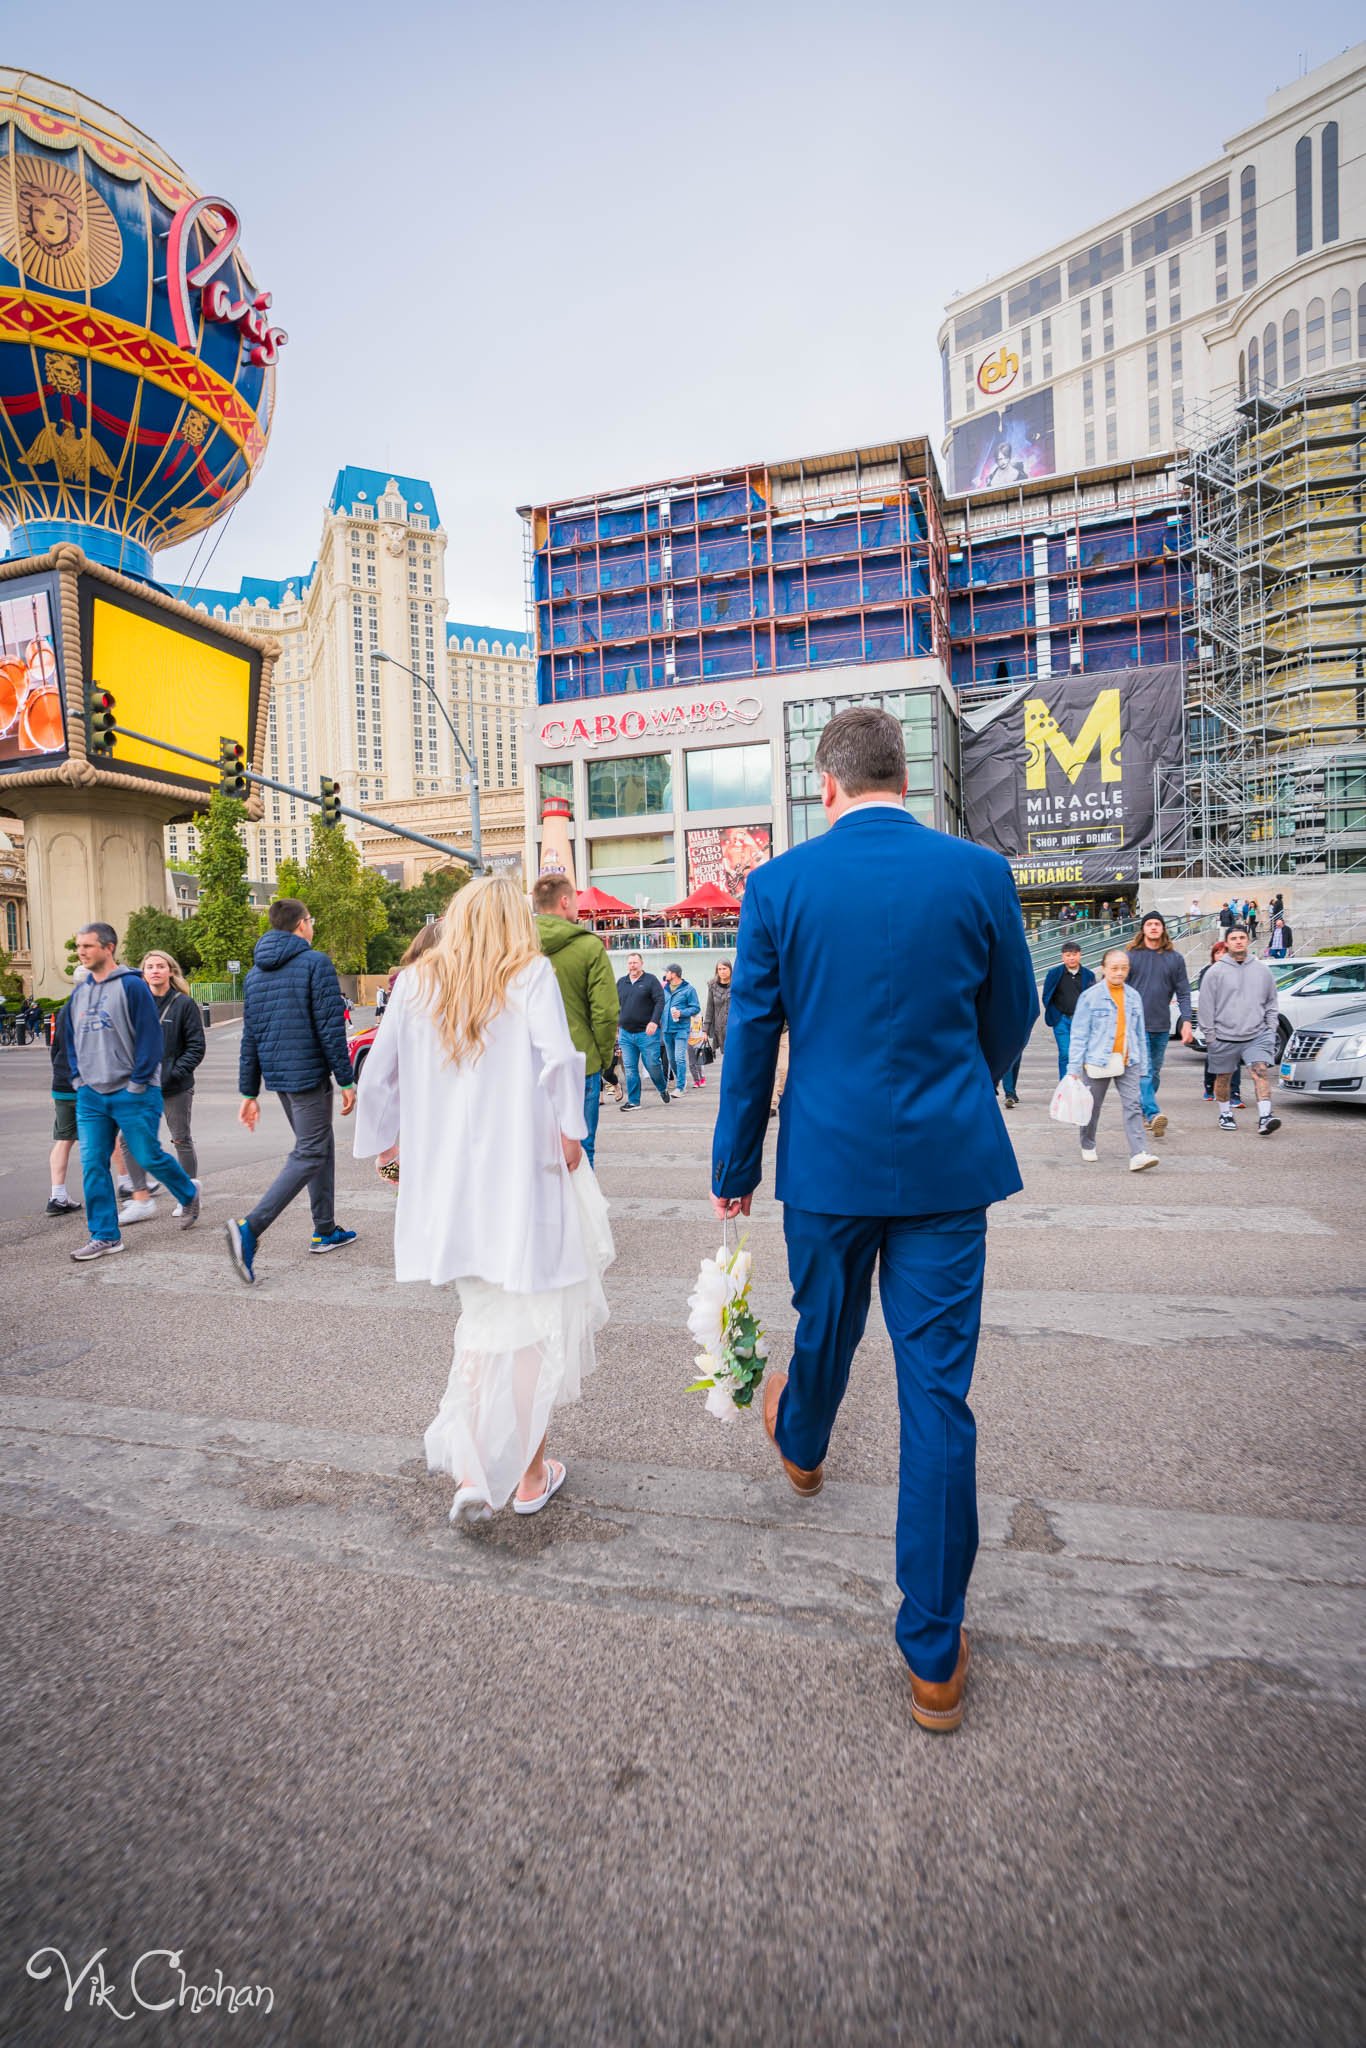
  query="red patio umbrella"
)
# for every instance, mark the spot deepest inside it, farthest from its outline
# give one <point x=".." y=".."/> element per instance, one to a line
<point x="707" y="900"/>
<point x="597" y="903"/>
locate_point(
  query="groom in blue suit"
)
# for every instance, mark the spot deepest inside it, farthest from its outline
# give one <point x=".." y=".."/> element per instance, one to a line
<point x="896" y="957"/>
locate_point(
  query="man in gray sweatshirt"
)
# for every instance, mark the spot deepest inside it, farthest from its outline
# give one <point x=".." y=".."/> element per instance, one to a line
<point x="115" y="1044"/>
<point x="1158" y="973"/>
<point x="1238" y="1013"/>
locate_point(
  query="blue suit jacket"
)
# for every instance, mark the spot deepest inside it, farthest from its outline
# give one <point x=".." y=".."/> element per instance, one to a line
<point x="897" y="957"/>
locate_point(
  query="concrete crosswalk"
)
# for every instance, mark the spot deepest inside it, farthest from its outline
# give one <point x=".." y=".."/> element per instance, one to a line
<point x="512" y="1773"/>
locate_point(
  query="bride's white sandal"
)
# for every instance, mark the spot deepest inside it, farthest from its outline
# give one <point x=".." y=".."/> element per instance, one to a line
<point x="543" y="1500"/>
<point x="470" y="1503"/>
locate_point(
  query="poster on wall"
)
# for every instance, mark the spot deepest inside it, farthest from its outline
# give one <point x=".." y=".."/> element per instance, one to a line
<point x="1060" y="778"/>
<point x="32" y="698"/>
<point x="726" y="855"/>
<point x="1013" y="445"/>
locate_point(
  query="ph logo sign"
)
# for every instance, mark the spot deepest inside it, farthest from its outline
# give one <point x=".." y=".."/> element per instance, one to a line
<point x="998" y="372"/>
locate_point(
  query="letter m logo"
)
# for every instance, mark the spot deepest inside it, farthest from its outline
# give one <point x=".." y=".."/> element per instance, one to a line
<point x="1043" y="735"/>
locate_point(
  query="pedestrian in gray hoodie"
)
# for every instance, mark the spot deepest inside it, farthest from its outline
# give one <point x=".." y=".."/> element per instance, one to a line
<point x="1238" y="1015"/>
<point x="114" y="1046"/>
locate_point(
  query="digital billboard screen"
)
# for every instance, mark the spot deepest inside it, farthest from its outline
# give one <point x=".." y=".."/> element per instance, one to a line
<point x="171" y="679"/>
<point x="1009" y="446"/>
<point x="726" y="855"/>
<point x="32" y="683"/>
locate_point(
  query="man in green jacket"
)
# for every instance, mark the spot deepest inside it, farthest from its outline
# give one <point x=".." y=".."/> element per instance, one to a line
<point x="587" y="985"/>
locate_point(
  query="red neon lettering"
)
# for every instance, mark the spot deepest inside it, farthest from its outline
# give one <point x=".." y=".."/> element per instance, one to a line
<point x="578" y="730"/>
<point x="635" y="720"/>
<point x="261" y="341"/>
<point x="604" y="728"/>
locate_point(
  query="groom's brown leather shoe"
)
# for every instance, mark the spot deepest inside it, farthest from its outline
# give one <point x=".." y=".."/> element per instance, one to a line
<point x="940" y="1707"/>
<point x="806" y="1483"/>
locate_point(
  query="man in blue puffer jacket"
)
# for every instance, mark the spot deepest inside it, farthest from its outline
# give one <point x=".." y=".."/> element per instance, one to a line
<point x="293" y="1038"/>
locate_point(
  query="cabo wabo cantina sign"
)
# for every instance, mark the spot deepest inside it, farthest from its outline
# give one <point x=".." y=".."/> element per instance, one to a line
<point x="1060" y="779"/>
<point x="660" y="721"/>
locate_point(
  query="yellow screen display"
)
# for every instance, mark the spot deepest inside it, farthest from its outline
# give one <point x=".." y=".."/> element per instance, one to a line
<point x="170" y="684"/>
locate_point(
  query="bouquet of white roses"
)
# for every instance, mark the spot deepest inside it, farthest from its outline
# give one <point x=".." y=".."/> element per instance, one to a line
<point x="734" y="1350"/>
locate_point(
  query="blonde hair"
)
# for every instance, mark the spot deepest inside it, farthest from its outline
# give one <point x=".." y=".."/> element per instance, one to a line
<point x="178" y="980"/>
<point x="487" y="938"/>
<point x="420" y="943"/>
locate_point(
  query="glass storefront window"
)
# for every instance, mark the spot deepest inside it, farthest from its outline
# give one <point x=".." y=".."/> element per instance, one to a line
<point x="729" y="778"/>
<point x="634" y="867"/>
<point x="638" y="787"/>
<point x="557" y="779"/>
<point x="931" y="757"/>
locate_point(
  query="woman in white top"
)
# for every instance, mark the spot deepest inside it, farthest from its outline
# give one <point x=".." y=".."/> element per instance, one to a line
<point x="474" y="1085"/>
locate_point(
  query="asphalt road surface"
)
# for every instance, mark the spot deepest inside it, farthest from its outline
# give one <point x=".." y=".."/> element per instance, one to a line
<point x="642" y="1770"/>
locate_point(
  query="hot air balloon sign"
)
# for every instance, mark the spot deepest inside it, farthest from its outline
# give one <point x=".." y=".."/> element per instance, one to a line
<point x="137" y="350"/>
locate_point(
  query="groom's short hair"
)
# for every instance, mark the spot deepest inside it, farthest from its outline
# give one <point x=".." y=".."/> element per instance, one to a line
<point x="864" y="750"/>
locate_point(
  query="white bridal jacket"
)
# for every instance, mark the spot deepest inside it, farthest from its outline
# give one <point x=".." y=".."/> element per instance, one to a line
<point x="483" y="1192"/>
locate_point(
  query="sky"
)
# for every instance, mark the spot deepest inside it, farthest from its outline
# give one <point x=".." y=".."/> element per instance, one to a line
<point x="532" y="249"/>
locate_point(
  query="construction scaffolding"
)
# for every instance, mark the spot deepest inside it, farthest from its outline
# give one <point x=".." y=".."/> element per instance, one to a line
<point x="739" y="573"/>
<point x="1077" y="574"/>
<point x="1276" y="679"/>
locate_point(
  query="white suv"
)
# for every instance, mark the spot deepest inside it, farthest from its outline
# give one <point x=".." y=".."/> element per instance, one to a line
<point x="1309" y="1002"/>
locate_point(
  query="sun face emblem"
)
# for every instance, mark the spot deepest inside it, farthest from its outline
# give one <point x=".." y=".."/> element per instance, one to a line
<point x="55" y="228"/>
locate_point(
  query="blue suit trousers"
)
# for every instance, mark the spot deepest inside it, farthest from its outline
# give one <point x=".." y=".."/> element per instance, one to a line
<point x="930" y="1272"/>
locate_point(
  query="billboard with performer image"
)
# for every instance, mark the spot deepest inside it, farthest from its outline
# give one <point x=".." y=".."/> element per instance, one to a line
<point x="32" y="706"/>
<point x="1061" y="777"/>
<point x="726" y="855"/>
<point x="1012" y="445"/>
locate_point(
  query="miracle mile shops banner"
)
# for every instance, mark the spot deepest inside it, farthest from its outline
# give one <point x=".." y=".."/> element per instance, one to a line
<point x="1060" y="777"/>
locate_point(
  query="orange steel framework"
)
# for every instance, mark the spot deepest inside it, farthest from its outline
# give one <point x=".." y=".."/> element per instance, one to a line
<point x="762" y="568"/>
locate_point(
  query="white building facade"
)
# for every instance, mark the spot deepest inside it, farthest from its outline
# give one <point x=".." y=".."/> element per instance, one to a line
<point x="1247" y="275"/>
<point x="378" y="587"/>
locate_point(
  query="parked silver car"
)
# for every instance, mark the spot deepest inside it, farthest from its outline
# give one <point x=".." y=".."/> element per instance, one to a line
<point x="1328" y="1058"/>
<point x="1338" y="984"/>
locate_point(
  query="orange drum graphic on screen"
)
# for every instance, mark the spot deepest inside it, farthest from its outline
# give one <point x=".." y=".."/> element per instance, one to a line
<point x="13" y="684"/>
<point x="42" y="662"/>
<point x="40" y="722"/>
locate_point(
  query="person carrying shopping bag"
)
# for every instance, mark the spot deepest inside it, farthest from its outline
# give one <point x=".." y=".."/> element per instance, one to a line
<point x="1109" y="1042"/>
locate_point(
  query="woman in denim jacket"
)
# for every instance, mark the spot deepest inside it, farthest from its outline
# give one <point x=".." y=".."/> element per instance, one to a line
<point x="1110" y="1043"/>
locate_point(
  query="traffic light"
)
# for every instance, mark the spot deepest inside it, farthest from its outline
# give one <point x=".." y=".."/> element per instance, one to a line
<point x="232" y="770"/>
<point x="99" y="722"/>
<point x="329" y="810"/>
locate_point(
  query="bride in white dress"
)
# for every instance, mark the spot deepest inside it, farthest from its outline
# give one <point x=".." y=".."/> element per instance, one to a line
<point x="474" y="1086"/>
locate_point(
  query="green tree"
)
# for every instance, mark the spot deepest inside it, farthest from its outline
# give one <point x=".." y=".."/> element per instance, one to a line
<point x="407" y="911"/>
<point x="346" y="899"/>
<point x="155" y="931"/>
<point x="72" y="962"/>
<point x="226" y="925"/>
<point x="11" y="987"/>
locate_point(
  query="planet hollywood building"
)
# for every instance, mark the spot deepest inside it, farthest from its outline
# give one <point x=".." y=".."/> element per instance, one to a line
<point x="694" y="637"/>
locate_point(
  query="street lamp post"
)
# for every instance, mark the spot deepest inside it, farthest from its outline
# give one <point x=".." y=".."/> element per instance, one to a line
<point x="476" y="836"/>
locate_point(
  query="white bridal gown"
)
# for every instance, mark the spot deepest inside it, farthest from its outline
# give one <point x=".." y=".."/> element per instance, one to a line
<point x="485" y="1199"/>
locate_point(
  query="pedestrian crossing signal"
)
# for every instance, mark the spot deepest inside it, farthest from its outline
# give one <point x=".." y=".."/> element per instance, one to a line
<point x="232" y="770"/>
<point x="329" y="808"/>
<point x="99" y="722"/>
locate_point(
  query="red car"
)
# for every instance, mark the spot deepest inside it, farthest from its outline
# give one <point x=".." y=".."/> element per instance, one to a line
<point x="358" y="1044"/>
